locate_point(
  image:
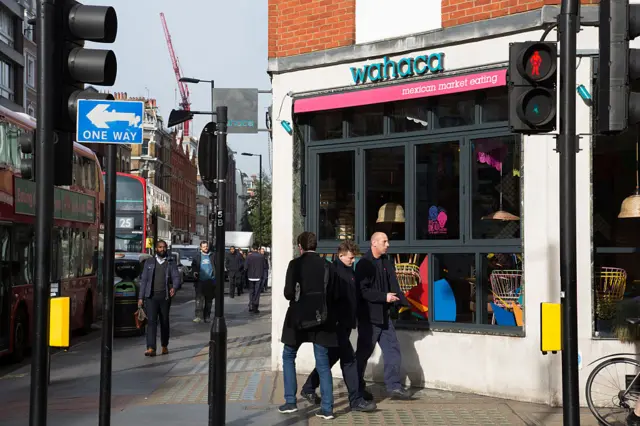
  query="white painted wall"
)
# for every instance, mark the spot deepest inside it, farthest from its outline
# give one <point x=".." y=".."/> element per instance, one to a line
<point x="510" y="367"/>
<point x="382" y="19"/>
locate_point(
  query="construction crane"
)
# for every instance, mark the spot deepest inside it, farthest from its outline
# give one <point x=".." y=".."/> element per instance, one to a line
<point x="184" y="89"/>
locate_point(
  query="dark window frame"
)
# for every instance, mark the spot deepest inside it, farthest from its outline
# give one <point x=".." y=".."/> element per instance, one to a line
<point x="595" y="250"/>
<point x="466" y="244"/>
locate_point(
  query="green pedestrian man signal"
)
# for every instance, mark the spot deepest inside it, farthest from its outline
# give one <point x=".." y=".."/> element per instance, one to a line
<point x="536" y="110"/>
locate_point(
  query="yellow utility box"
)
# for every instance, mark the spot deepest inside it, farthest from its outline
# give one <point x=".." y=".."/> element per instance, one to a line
<point x="550" y="327"/>
<point x="59" y="330"/>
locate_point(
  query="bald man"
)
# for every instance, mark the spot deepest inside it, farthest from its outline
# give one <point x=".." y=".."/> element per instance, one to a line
<point x="379" y="291"/>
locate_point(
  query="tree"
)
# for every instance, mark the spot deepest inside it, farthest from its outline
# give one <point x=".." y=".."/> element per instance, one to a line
<point x="253" y="208"/>
<point x="245" y="226"/>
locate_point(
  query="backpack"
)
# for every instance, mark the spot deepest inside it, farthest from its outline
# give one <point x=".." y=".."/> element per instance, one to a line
<point x="311" y="310"/>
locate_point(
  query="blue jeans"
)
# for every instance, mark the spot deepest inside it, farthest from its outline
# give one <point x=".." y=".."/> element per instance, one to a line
<point x="323" y="366"/>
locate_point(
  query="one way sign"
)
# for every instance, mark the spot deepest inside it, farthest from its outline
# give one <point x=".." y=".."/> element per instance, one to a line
<point x="118" y="122"/>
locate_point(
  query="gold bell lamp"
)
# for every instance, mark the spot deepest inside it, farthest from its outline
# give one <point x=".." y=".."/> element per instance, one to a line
<point x="630" y="208"/>
<point x="500" y="214"/>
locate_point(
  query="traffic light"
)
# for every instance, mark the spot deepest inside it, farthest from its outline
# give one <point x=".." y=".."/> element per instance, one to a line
<point x="532" y="86"/>
<point x="79" y="66"/>
<point x="618" y="104"/>
<point x="27" y="143"/>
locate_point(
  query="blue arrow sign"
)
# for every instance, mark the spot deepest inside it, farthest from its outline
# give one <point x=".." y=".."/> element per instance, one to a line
<point x="118" y="122"/>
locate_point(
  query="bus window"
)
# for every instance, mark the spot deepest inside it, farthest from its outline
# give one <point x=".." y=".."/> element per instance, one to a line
<point x="65" y="244"/>
<point x="23" y="254"/>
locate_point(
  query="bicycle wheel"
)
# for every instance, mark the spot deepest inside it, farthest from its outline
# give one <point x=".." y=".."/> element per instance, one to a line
<point x="616" y="382"/>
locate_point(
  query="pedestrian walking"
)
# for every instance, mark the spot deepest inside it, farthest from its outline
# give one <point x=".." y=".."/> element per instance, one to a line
<point x="344" y="276"/>
<point x="233" y="263"/>
<point x="380" y="291"/>
<point x="159" y="282"/>
<point x="311" y="317"/>
<point x="265" y="271"/>
<point x="204" y="272"/>
<point x="255" y="272"/>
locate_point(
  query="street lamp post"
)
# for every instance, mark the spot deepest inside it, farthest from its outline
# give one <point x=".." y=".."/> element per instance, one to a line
<point x="248" y="154"/>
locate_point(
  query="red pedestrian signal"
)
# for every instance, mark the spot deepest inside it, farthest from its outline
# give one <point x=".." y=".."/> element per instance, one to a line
<point x="532" y="87"/>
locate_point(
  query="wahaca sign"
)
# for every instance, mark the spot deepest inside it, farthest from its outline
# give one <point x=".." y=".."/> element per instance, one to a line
<point x="405" y="67"/>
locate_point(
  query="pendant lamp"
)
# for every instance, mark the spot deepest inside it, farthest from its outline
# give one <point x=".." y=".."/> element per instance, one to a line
<point x="630" y="208"/>
<point x="500" y="214"/>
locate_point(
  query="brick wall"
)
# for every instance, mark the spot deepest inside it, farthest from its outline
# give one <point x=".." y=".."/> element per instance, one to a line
<point x="457" y="12"/>
<point x="303" y="26"/>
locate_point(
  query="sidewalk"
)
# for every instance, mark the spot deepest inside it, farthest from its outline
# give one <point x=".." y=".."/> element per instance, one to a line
<point x="168" y="390"/>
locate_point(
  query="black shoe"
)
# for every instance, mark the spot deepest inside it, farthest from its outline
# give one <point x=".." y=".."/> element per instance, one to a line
<point x="364" y="406"/>
<point x="366" y="395"/>
<point x="633" y="419"/>
<point x="400" y="394"/>
<point x="255" y="311"/>
<point x="311" y="397"/>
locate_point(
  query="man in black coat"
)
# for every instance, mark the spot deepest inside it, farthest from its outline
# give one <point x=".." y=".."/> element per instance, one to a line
<point x="379" y="292"/>
<point x="305" y="280"/>
<point x="234" y="263"/>
<point x="344" y="276"/>
<point x="255" y="271"/>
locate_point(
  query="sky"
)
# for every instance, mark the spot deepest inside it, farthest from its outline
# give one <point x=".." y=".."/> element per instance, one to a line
<point x="224" y="41"/>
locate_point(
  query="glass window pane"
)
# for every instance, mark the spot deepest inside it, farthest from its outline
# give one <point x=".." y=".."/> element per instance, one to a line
<point x="616" y="282"/>
<point x="455" y="110"/>
<point x="336" y="219"/>
<point x="502" y="285"/>
<point x="495" y="181"/>
<point x="408" y="116"/>
<point x="438" y="191"/>
<point x="366" y="121"/>
<point x="452" y="288"/>
<point x="614" y="179"/>
<point x="414" y="283"/>
<point x="495" y="106"/>
<point x="384" y="180"/>
<point x="325" y="125"/>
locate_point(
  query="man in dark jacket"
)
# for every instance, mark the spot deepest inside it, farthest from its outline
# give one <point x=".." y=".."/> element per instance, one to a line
<point x="159" y="282"/>
<point x="265" y="271"/>
<point x="379" y="291"/>
<point x="306" y="277"/>
<point x="204" y="271"/>
<point x="255" y="268"/>
<point x="234" y="264"/>
<point x="347" y="306"/>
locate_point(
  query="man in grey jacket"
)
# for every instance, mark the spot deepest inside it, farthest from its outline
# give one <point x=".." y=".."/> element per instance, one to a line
<point x="159" y="282"/>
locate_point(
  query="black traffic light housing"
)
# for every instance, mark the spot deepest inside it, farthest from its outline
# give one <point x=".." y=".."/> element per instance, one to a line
<point x="208" y="156"/>
<point x="533" y="70"/>
<point x="27" y="144"/>
<point x="618" y="104"/>
<point x="78" y="66"/>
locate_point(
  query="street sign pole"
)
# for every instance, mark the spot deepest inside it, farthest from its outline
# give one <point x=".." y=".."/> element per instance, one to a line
<point x="568" y="147"/>
<point x="218" y="335"/>
<point x="46" y="24"/>
<point x="107" y="301"/>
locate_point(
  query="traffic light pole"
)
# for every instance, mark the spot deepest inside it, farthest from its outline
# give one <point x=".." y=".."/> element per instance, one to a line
<point x="104" y="417"/>
<point x="46" y="24"/>
<point x="218" y="336"/>
<point x="568" y="148"/>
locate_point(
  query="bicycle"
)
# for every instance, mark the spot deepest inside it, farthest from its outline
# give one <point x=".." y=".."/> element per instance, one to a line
<point x="624" y="397"/>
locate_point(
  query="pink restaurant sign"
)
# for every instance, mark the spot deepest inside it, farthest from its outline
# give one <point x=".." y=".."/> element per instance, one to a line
<point x="400" y="92"/>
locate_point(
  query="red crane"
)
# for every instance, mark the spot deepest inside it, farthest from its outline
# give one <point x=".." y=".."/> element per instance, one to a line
<point x="184" y="89"/>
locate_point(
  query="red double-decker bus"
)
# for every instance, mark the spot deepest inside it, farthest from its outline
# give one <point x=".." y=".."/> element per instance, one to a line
<point x="75" y="242"/>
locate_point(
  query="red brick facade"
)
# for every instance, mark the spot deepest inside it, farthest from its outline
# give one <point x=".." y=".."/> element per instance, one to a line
<point x="183" y="194"/>
<point x="457" y="12"/>
<point x="303" y="26"/>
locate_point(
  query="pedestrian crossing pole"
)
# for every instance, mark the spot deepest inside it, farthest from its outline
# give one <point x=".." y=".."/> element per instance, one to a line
<point x="218" y="335"/>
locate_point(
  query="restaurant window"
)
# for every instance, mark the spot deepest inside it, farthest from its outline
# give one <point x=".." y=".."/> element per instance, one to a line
<point x="437" y="191"/>
<point x="455" y="110"/>
<point x="337" y="187"/>
<point x="495" y="105"/>
<point x="495" y="187"/>
<point x="385" y="190"/>
<point x="408" y="116"/>
<point x="616" y="263"/>
<point x="325" y="125"/>
<point x="366" y="121"/>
